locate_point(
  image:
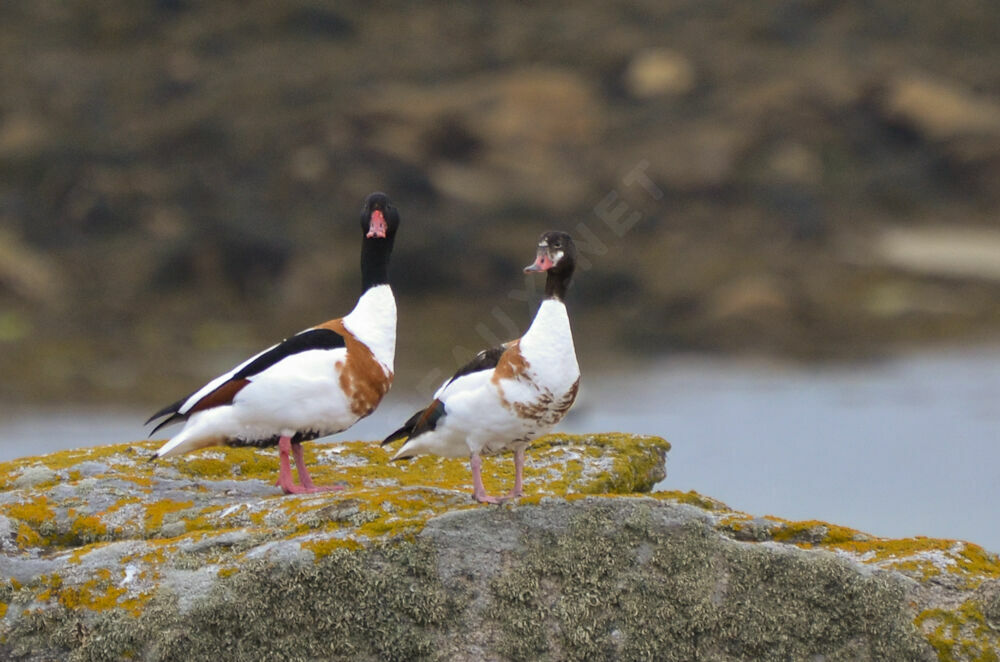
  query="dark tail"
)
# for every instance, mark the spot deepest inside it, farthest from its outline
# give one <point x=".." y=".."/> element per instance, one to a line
<point x="405" y="431"/>
<point x="423" y="421"/>
<point x="173" y="416"/>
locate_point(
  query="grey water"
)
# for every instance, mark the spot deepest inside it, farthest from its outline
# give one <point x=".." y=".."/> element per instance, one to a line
<point x="904" y="447"/>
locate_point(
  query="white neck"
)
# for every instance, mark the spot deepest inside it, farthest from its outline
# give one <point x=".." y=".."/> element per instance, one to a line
<point x="373" y="322"/>
<point x="549" y="339"/>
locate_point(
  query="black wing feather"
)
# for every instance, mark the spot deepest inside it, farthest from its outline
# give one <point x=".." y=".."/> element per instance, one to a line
<point x="173" y="417"/>
<point x="484" y="360"/>
<point x="426" y="419"/>
<point x="169" y="409"/>
<point x="423" y="421"/>
<point x="300" y="342"/>
<point x="406" y="430"/>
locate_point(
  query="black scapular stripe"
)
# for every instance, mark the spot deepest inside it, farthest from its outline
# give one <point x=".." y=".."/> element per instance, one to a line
<point x="427" y="419"/>
<point x="300" y="342"/>
<point x="484" y="360"/>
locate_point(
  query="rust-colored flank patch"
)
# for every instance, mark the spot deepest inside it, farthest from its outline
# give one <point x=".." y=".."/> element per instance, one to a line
<point x="512" y="364"/>
<point x="362" y="377"/>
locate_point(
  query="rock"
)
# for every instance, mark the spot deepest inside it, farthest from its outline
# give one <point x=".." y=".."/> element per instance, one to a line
<point x="795" y="164"/>
<point x="309" y="164"/>
<point x="962" y="125"/>
<point x="212" y="563"/>
<point x="751" y="297"/>
<point x="939" y="109"/>
<point x="26" y="272"/>
<point x="32" y="476"/>
<point x="942" y="251"/>
<point x="701" y="158"/>
<point x="23" y="135"/>
<point x="659" y="72"/>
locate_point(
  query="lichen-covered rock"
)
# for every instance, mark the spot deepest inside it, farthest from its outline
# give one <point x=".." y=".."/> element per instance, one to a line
<point x="106" y="556"/>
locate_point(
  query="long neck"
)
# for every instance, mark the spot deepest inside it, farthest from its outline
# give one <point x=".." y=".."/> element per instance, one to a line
<point x="556" y="284"/>
<point x="375" y="262"/>
<point x="551" y="314"/>
<point x="373" y="322"/>
<point x="548" y="342"/>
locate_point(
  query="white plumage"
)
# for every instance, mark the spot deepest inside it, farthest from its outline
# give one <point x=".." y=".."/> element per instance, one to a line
<point x="482" y="408"/>
<point x="509" y="395"/>
<point x="318" y="382"/>
<point x="301" y="393"/>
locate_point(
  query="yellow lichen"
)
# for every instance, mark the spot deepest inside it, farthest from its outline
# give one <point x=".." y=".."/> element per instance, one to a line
<point x="70" y="458"/>
<point x="37" y="519"/>
<point x="87" y="528"/>
<point x="205" y="467"/>
<point x="960" y="634"/>
<point x="324" y="547"/>
<point x="927" y="557"/>
<point x="27" y="537"/>
<point x="802" y="532"/>
<point x="155" y="512"/>
<point x="35" y="513"/>
<point x="691" y="498"/>
<point x="98" y="593"/>
<point x="141" y="481"/>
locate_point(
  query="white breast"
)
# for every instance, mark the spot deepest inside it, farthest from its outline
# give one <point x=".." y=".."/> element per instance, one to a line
<point x="373" y="322"/>
<point x="548" y="348"/>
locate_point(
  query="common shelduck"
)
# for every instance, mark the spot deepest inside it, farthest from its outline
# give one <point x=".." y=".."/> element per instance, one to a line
<point x="508" y="395"/>
<point x="318" y="382"/>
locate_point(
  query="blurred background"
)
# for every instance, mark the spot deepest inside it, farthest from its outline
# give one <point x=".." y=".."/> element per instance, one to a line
<point x="787" y="212"/>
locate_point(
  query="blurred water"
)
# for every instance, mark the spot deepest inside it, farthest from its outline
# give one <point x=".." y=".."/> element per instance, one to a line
<point x="902" y="448"/>
<point x="908" y="447"/>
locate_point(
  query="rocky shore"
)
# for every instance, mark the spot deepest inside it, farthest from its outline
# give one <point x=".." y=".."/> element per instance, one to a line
<point x="107" y="556"/>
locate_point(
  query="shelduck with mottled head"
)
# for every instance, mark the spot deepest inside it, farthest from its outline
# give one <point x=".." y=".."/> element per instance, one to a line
<point x="508" y="395"/>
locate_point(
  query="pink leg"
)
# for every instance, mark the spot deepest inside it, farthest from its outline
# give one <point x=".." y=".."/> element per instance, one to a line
<point x="518" y="490"/>
<point x="285" y="446"/>
<point x="300" y="467"/>
<point x="304" y="478"/>
<point x="478" y="491"/>
<point x="284" y="466"/>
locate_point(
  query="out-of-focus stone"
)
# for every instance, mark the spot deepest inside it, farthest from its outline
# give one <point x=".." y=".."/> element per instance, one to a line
<point x="26" y="272"/>
<point x="659" y="72"/>
<point x="309" y="164"/>
<point x="22" y="135"/>
<point x="942" y="251"/>
<point x="702" y="158"/>
<point x="794" y="163"/>
<point x="750" y="297"/>
<point x="939" y="109"/>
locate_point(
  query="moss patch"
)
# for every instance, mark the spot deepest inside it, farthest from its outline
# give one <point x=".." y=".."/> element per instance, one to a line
<point x="961" y="634"/>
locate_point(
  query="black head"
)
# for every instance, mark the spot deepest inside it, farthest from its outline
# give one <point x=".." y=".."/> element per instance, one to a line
<point x="556" y="256"/>
<point x="379" y="222"/>
<point x="379" y="219"/>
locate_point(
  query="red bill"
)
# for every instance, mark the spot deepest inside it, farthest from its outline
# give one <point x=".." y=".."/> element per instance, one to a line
<point x="542" y="262"/>
<point x="378" y="226"/>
